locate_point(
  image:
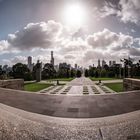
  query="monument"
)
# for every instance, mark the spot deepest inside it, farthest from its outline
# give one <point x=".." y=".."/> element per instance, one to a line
<point x="38" y="71"/>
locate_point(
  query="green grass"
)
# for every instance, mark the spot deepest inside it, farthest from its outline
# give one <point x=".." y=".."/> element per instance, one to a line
<point x="34" y="87"/>
<point x="61" y="79"/>
<point x="102" y="79"/>
<point x="118" y="87"/>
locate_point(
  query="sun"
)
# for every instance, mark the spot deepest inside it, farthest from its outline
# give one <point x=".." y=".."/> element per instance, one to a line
<point x="75" y="14"/>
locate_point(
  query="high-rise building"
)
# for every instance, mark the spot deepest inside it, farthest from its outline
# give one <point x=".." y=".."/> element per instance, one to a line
<point x="29" y="60"/>
<point x="76" y="66"/>
<point x="110" y="63"/>
<point x="52" y="58"/>
<point x="113" y="62"/>
<point x="103" y="63"/>
<point x="99" y="63"/>
<point x="30" y="64"/>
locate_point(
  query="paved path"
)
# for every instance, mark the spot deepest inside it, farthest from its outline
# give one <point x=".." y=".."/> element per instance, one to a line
<point x="78" y="86"/>
<point x="72" y="106"/>
<point x="16" y="124"/>
<point x="81" y="81"/>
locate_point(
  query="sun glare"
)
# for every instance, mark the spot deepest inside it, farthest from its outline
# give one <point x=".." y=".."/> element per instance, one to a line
<point x="75" y="14"/>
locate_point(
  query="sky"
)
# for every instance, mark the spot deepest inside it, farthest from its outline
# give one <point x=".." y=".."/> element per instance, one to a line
<point x="78" y="31"/>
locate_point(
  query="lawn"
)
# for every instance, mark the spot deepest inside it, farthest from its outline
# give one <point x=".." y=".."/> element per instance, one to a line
<point x="34" y="87"/>
<point x="102" y="78"/>
<point x="61" y="79"/>
<point x="118" y="87"/>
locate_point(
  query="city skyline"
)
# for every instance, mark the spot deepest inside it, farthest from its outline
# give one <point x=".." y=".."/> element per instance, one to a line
<point x="104" y="30"/>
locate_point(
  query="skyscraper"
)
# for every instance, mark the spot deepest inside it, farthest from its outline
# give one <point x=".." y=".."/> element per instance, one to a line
<point x="30" y="65"/>
<point x="52" y="58"/>
<point x="110" y="63"/>
<point x="103" y="63"/>
<point x="99" y="65"/>
<point x="113" y="62"/>
<point x="29" y="61"/>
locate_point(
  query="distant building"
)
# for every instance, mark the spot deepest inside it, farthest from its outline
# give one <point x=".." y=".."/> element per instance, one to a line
<point x="52" y="58"/>
<point x="76" y="66"/>
<point x="64" y="66"/>
<point x="111" y="63"/>
<point x="99" y="63"/>
<point x="29" y="60"/>
<point x="6" y="69"/>
<point x="56" y="67"/>
<point x="30" y="65"/>
<point x="103" y="63"/>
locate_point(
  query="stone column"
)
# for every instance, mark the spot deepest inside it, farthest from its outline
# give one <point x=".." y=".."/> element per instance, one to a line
<point x="38" y="71"/>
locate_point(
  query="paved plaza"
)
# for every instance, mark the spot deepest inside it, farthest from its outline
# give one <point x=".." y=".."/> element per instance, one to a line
<point x="71" y="106"/>
<point x="78" y="86"/>
<point x="66" y="115"/>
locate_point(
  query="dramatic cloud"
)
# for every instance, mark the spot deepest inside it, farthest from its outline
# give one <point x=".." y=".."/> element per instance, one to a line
<point x="36" y="35"/>
<point x="3" y="45"/>
<point x="111" y="46"/>
<point x="67" y="45"/>
<point x="126" y="10"/>
<point x="134" y="51"/>
<point x="109" y="40"/>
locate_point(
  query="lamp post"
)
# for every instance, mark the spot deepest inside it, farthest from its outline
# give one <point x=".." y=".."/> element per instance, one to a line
<point x="124" y="66"/>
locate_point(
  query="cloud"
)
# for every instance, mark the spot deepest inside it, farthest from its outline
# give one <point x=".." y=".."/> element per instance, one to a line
<point x="134" y="51"/>
<point x="109" y="40"/>
<point x="126" y="10"/>
<point x="40" y="38"/>
<point x="109" y="45"/>
<point x="3" y="45"/>
<point x="14" y="60"/>
<point x="75" y="45"/>
<point x="69" y="57"/>
<point x="36" y="35"/>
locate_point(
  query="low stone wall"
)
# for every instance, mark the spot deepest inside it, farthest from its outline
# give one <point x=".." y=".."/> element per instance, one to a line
<point x="130" y="84"/>
<point x="17" y="84"/>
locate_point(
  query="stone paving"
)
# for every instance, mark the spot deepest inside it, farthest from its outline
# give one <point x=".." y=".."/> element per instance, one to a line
<point x="17" y="124"/>
<point x="79" y="106"/>
<point x="59" y="117"/>
<point x="76" y="87"/>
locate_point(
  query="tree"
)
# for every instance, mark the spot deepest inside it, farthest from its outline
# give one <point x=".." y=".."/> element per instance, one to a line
<point x="48" y="71"/>
<point x="20" y="70"/>
<point x="78" y="74"/>
<point x="86" y="73"/>
<point x="1" y="71"/>
<point x="96" y="74"/>
<point x="103" y="73"/>
<point x="128" y="63"/>
<point x="72" y="73"/>
<point x="64" y="70"/>
<point x="92" y="71"/>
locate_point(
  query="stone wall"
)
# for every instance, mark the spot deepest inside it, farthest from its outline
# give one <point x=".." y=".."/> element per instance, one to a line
<point x="130" y="84"/>
<point x="17" y="84"/>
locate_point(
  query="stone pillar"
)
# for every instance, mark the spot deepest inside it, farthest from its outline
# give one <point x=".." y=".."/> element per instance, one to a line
<point x="38" y="71"/>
